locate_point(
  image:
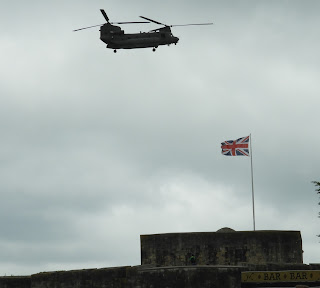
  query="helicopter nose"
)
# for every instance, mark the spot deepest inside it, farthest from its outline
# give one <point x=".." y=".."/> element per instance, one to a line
<point x="176" y="39"/>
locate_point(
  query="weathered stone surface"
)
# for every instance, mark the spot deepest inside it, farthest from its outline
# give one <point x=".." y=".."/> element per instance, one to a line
<point x="227" y="248"/>
<point x="190" y="277"/>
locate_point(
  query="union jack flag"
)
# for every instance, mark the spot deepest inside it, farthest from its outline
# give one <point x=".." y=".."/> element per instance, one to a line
<point x="239" y="147"/>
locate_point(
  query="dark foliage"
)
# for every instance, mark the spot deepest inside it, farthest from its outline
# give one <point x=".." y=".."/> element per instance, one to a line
<point x="317" y="184"/>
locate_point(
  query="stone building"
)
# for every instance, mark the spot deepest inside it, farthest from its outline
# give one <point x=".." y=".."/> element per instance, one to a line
<point x="222" y="259"/>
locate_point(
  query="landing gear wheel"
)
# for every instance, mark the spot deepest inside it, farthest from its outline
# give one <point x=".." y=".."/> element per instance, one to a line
<point x="154" y="49"/>
<point x="115" y="51"/>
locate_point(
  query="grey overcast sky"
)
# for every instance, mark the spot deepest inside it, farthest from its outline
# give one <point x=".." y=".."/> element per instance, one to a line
<point x="98" y="148"/>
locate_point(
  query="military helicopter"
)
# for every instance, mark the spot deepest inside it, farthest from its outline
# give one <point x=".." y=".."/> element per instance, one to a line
<point x="115" y="38"/>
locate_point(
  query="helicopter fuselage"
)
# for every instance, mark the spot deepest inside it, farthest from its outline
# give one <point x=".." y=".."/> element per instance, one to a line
<point x="115" y="38"/>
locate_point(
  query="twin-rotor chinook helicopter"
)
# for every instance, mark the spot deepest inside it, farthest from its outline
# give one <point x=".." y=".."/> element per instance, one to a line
<point x="115" y="38"/>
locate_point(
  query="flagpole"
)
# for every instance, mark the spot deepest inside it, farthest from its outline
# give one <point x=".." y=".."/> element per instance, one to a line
<point x="253" y="212"/>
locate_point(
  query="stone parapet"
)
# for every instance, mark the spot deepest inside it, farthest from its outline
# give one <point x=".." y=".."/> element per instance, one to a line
<point x="222" y="248"/>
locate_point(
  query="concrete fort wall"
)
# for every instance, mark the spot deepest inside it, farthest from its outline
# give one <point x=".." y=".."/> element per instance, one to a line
<point x="15" y="282"/>
<point x="198" y="276"/>
<point x="225" y="247"/>
<point x="142" y="277"/>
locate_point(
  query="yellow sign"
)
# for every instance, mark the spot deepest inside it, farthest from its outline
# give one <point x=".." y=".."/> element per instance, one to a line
<point x="281" y="276"/>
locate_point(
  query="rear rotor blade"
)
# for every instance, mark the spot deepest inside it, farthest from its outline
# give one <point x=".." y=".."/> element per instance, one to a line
<point x="104" y="15"/>
<point x="87" y="27"/>
<point x="153" y="21"/>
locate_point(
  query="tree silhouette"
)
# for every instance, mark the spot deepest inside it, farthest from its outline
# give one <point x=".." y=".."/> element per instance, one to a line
<point x="317" y="184"/>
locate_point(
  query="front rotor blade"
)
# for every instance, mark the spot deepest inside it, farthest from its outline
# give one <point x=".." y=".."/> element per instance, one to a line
<point x="134" y="22"/>
<point x="191" y="24"/>
<point x="104" y="15"/>
<point x="87" y="27"/>
<point x="153" y="21"/>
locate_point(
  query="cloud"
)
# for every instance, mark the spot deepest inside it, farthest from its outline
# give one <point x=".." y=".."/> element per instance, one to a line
<point x="98" y="148"/>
